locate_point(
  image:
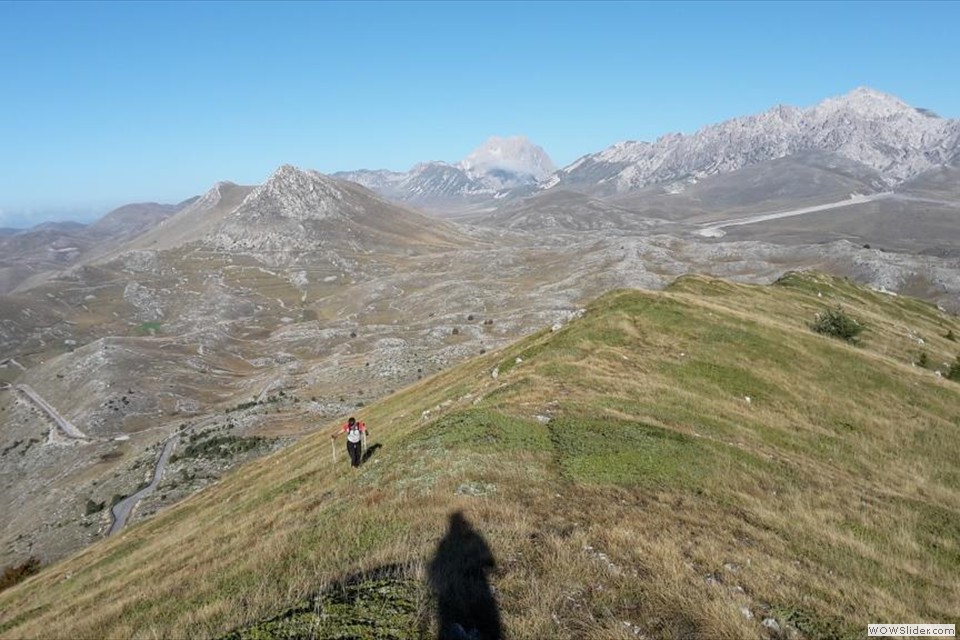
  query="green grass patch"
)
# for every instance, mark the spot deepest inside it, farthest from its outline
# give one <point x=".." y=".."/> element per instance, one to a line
<point x="19" y="619"/>
<point x="937" y="529"/>
<point x="727" y="378"/>
<point x="817" y="627"/>
<point x="147" y="329"/>
<point x="485" y="431"/>
<point x="610" y="451"/>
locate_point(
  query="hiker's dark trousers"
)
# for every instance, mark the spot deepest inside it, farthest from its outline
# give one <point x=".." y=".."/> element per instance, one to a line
<point x="353" y="448"/>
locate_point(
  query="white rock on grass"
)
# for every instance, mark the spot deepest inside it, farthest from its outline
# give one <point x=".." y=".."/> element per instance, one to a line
<point x="771" y="624"/>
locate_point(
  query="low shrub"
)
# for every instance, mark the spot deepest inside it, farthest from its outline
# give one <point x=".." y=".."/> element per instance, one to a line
<point x="18" y="573"/>
<point x="836" y="323"/>
<point x="93" y="507"/>
<point x="954" y="372"/>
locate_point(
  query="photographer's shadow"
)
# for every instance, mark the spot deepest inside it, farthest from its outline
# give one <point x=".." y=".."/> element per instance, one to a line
<point x="466" y="607"/>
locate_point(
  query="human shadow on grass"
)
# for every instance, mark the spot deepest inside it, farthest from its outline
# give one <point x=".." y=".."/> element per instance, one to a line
<point x="370" y="452"/>
<point x="466" y="607"/>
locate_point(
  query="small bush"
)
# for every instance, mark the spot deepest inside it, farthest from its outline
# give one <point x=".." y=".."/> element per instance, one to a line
<point x="922" y="360"/>
<point x="950" y="336"/>
<point x="18" y="573"/>
<point x="954" y="372"/>
<point x="219" y="447"/>
<point x="93" y="507"/>
<point x="836" y="323"/>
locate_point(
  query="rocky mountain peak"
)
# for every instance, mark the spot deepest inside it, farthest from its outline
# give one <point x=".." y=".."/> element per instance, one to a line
<point x="296" y="193"/>
<point x="495" y="167"/>
<point x="213" y="195"/>
<point x="515" y="154"/>
<point x="877" y="130"/>
<point x="867" y="103"/>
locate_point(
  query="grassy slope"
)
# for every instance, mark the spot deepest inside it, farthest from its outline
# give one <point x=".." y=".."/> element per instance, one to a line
<point x="656" y="496"/>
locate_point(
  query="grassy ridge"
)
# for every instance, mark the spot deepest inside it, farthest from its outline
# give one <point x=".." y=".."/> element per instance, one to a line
<point x="678" y="464"/>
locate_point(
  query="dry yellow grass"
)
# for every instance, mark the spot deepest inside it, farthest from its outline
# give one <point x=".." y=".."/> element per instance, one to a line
<point x="658" y="500"/>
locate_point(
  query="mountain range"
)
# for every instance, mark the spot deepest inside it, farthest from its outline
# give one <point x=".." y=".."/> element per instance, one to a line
<point x="496" y="168"/>
<point x="873" y="129"/>
<point x="875" y="134"/>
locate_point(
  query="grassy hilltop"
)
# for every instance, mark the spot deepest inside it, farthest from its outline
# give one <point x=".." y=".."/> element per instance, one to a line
<point x="689" y="463"/>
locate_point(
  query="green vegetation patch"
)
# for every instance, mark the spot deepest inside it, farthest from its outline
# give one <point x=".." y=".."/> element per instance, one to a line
<point x="611" y="451"/>
<point x="17" y="620"/>
<point x="218" y="447"/>
<point x="373" y="608"/>
<point x="838" y="324"/>
<point x="822" y="284"/>
<point x="703" y="286"/>
<point x="485" y="430"/>
<point x="817" y="627"/>
<point x="937" y="530"/>
<point x="147" y="328"/>
<point x="954" y="372"/>
<point x="727" y="378"/>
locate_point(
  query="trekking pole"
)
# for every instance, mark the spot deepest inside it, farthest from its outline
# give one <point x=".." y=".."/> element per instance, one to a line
<point x="333" y="451"/>
<point x="364" y="443"/>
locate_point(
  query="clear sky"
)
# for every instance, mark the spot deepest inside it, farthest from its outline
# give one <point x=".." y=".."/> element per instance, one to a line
<point x="103" y="104"/>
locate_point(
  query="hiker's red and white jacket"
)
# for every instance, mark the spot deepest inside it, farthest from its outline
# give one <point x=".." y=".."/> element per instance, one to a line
<point x="353" y="434"/>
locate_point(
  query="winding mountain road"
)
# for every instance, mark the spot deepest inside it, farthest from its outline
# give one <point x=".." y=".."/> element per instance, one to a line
<point x="121" y="511"/>
<point x="11" y="361"/>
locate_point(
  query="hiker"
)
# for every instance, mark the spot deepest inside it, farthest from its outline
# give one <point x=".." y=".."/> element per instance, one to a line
<point x="355" y="432"/>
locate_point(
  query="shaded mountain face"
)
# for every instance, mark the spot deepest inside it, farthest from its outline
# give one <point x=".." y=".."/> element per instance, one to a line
<point x="562" y="211"/>
<point x="192" y="222"/>
<point x="876" y="130"/>
<point x="131" y="220"/>
<point x="804" y="179"/>
<point x="784" y="183"/>
<point x="490" y="171"/>
<point x="58" y="245"/>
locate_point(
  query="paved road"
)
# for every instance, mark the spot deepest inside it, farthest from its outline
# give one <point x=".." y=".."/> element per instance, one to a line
<point x="715" y="229"/>
<point x="65" y="425"/>
<point x="9" y="361"/>
<point x="121" y="511"/>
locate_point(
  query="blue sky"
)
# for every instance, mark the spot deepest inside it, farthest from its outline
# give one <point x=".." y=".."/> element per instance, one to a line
<point x="108" y="103"/>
